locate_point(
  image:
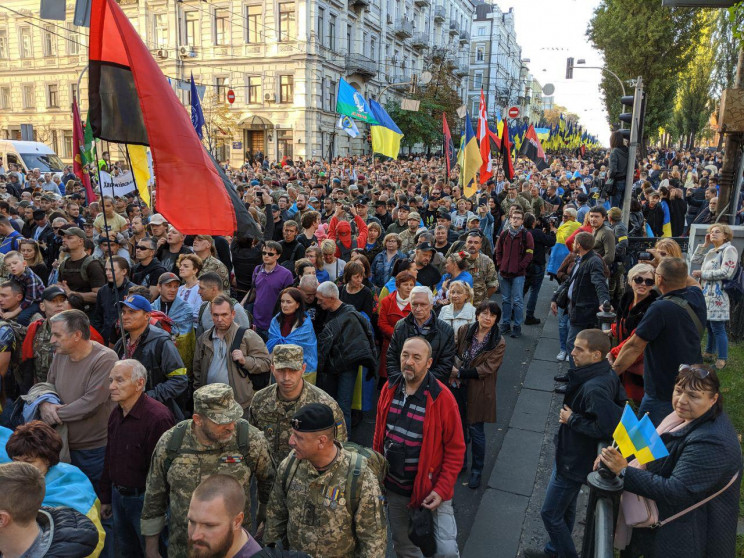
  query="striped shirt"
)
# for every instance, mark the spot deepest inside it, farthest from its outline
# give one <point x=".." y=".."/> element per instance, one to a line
<point x="405" y="429"/>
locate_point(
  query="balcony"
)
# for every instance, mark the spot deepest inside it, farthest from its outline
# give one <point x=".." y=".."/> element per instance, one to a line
<point x="462" y="70"/>
<point x="454" y="29"/>
<point x="404" y="29"/>
<point x="421" y="3"/>
<point x="360" y="64"/>
<point x="439" y="14"/>
<point x="438" y="54"/>
<point x="464" y="37"/>
<point x="358" y="4"/>
<point x="420" y="40"/>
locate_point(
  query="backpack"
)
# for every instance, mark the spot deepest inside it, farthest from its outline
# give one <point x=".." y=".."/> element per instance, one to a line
<point x="20" y="380"/>
<point x="360" y="456"/>
<point x="87" y="260"/>
<point x="161" y="320"/>
<point x="173" y="447"/>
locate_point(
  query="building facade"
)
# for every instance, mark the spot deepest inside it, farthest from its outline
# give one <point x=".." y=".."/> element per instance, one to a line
<point x="280" y="59"/>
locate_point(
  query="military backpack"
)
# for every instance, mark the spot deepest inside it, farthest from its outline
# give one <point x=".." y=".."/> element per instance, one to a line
<point x="173" y="447"/>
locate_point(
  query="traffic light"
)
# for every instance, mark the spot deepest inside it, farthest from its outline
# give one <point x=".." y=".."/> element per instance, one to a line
<point x="569" y="68"/>
<point x="627" y="115"/>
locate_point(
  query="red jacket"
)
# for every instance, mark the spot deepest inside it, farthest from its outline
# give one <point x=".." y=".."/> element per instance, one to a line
<point x="344" y="235"/>
<point x="389" y="315"/>
<point x="443" y="446"/>
<point x="570" y="240"/>
<point x="514" y="253"/>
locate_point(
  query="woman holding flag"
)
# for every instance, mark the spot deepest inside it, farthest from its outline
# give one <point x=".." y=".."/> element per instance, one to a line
<point x="693" y="459"/>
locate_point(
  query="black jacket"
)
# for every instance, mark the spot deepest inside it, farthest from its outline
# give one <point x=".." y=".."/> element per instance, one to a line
<point x="105" y="313"/>
<point x="654" y="218"/>
<point x="596" y="398"/>
<point x="695" y="201"/>
<point x="346" y="342"/>
<point x="441" y="337"/>
<point x="588" y="292"/>
<point x="618" y="164"/>
<point x="628" y="318"/>
<point x="66" y="533"/>
<point x="148" y="275"/>
<point x="677" y="211"/>
<point x="542" y="242"/>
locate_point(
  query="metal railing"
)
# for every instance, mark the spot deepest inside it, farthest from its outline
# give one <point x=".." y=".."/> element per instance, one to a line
<point x="601" y="512"/>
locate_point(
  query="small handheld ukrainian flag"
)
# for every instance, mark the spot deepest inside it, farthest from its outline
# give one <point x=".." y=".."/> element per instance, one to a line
<point x="621" y="435"/>
<point x="638" y="438"/>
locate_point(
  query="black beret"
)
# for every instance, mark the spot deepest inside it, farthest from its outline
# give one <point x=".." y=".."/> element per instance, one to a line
<point x="313" y="417"/>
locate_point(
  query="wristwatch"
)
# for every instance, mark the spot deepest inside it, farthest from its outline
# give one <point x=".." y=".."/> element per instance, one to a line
<point x="621" y="474"/>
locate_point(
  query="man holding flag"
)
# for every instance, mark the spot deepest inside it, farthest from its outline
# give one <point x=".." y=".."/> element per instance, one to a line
<point x="591" y="410"/>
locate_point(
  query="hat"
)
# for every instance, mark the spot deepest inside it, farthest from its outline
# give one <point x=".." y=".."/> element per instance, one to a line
<point x="48" y="197"/>
<point x="337" y="181"/>
<point x="474" y="218"/>
<point x="75" y="231"/>
<point x="313" y="417"/>
<point x="157" y="219"/>
<point x="39" y="213"/>
<point x="137" y="302"/>
<point x="414" y="215"/>
<point x="444" y="214"/>
<point x="88" y="223"/>
<point x="168" y="277"/>
<point x="426" y="247"/>
<point x="217" y="403"/>
<point x="361" y="177"/>
<point x="288" y="356"/>
<point x="404" y="208"/>
<point x="50" y="293"/>
<point x="275" y="207"/>
<point x="361" y="200"/>
<point x="255" y="182"/>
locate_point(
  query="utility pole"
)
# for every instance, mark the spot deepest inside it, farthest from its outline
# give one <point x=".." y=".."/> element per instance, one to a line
<point x="635" y="137"/>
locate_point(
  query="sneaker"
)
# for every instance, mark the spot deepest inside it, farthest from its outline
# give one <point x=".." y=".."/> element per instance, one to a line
<point x="561" y="356"/>
<point x="475" y="479"/>
<point x="516" y="332"/>
<point x="531" y="320"/>
<point x="563" y="378"/>
<point x="504" y="328"/>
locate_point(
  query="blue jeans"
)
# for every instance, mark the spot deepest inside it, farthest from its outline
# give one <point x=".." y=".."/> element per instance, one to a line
<point x="341" y="387"/>
<point x="717" y="339"/>
<point x="617" y="199"/>
<point x="657" y="409"/>
<point x="558" y="515"/>
<point x="511" y="297"/>
<point x="477" y="446"/>
<point x="563" y="326"/>
<point x="533" y="284"/>
<point x="90" y="462"/>
<point x="127" y="511"/>
<point x="24" y="318"/>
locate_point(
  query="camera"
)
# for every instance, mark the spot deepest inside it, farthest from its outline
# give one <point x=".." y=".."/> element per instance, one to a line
<point x="645" y="257"/>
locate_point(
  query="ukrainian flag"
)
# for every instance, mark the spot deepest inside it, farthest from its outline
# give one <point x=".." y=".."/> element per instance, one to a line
<point x="471" y="160"/>
<point x="647" y="441"/>
<point x="386" y="135"/>
<point x="621" y="435"/>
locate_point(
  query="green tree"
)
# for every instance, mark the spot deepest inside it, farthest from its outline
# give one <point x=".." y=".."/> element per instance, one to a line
<point x="643" y="38"/>
<point x="726" y="48"/>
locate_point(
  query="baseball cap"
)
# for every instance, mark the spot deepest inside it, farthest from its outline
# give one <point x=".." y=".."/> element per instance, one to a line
<point x="39" y="213"/>
<point x="414" y="215"/>
<point x="313" y="417"/>
<point x="157" y="219"/>
<point x="288" y="356"/>
<point x="274" y="207"/>
<point x="255" y="182"/>
<point x="50" y="293"/>
<point x="404" y="208"/>
<point x="137" y="302"/>
<point x="217" y="403"/>
<point x="168" y="277"/>
<point x="361" y="200"/>
<point x="426" y="247"/>
<point x="75" y="231"/>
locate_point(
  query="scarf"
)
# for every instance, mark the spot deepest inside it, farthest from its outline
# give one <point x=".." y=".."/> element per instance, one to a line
<point x="401" y="302"/>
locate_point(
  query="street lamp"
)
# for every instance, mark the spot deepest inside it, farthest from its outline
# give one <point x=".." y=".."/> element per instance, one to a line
<point x="582" y="62"/>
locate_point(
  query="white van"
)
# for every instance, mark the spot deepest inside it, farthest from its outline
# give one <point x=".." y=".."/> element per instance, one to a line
<point x="30" y="155"/>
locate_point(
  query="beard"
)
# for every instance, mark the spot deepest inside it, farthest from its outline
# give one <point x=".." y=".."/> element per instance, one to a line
<point x="216" y="550"/>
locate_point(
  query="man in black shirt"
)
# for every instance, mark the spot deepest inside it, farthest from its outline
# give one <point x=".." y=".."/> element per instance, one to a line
<point x="292" y="249"/>
<point x="427" y="273"/>
<point x="543" y="239"/>
<point x="382" y="214"/>
<point x="148" y="269"/>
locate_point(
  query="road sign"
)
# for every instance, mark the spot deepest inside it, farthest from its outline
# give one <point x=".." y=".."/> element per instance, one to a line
<point x="513" y="112"/>
<point x="231" y="96"/>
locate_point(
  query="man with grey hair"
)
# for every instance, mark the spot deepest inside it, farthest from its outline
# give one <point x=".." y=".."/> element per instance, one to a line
<point x="309" y="286"/>
<point x="80" y="373"/>
<point x="422" y="321"/>
<point x="134" y="428"/>
<point x="345" y="343"/>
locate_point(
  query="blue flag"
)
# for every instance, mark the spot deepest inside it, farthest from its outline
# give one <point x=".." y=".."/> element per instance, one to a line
<point x="197" y="116"/>
<point x="351" y="103"/>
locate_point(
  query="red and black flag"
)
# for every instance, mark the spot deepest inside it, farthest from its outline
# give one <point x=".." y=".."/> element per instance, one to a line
<point x="532" y="149"/>
<point x="449" y="146"/>
<point x="132" y="102"/>
<point x="506" y="147"/>
<point x="78" y="148"/>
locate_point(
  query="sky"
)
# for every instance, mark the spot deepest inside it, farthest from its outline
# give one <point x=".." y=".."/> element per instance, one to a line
<point x="549" y="31"/>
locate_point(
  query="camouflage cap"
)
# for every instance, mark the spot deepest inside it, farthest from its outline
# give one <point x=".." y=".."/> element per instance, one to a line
<point x="217" y="403"/>
<point x="288" y="356"/>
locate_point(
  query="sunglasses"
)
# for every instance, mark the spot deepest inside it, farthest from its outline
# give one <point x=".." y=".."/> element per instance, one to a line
<point x="264" y="253"/>
<point x="138" y="247"/>
<point x="700" y="373"/>
<point x="641" y="280"/>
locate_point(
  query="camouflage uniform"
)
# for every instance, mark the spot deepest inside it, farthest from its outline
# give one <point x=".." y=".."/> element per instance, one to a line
<point x="43" y="352"/>
<point x="273" y="415"/>
<point x="407" y="240"/>
<point x="213" y="264"/>
<point x="313" y="516"/>
<point x="196" y="461"/>
<point x="484" y="277"/>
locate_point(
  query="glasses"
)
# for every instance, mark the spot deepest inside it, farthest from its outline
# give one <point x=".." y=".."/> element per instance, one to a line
<point x="643" y="280"/>
<point x="264" y="253"/>
<point x="700" y="373"/>
<point x="138" y="247"/>
<point x="56" y="229"/>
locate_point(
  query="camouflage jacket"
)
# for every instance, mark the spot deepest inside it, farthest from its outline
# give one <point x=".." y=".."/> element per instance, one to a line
<point x="43" y="352"/>
<point x="213" y="264"/>
<point x="194" y="463"/>
<point x="273" y="416"/>
<point x="484" y="277"/>
<point x="312" y="515"/>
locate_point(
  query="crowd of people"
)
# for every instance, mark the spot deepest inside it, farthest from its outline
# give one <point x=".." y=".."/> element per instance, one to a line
<point x="161" y="374"/>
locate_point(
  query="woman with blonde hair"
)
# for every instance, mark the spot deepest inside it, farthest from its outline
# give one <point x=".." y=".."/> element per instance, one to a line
<point x="331" y="263"/>
<point x="315" y="256"/>
<point x="460" y="310"/>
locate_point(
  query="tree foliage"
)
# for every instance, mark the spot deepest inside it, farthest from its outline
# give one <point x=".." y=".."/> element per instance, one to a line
<point x="725" y="44"/>
<point x="220" y="123"/>
<point x="553" y="115"/>
<point x="643" y="38"/>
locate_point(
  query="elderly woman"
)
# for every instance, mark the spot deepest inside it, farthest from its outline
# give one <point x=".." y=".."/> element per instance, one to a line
<point x="704" y="462"/>
<point x="292" y="326"/>
<point x="460" y="310"/>
<point x="719" y="259"/>
<point x="39" y="444"/>
<point x="632" y="307"/>
<point x="382" y="264"/>
<point x="393" y="309"/>
<point x="455" y="266"/>
<point x="480" y="351"/>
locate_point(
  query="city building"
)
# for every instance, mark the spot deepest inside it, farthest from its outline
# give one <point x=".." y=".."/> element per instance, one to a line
<point x="281" y="61"/>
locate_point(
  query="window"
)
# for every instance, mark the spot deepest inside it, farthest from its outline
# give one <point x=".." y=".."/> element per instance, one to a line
<point x="221" y="83"/>
<point x="67" y="151"/>
<point x="4" y="97"/>
<point x="332" y="32"/>
<point x="3" y="44"/>
<point x="160" y="30"/>
<point x="53" y="95"/>
<point x="254" y="90"/>
<point x="373" y="48"/>
<point x="28" y="97"/>
<point x="323" y="93"/>
<point x="221" y="27"/>
<point x="480" y="54"/>
<point x="284" y="143"/>
<point x="482" y="31"/>
<point x="348" y="38"/>
<point x="25" y="40"/>
<point x="192" y="28"/>
<point x="332" y="96"/>
<point x="287" y="22"/>
<point x="286" y="89"/>
<point x="321" y="26"/>
<point x="48" y="42"/>
<point x="74" y="40"/>
<point x="253" y="24"/>
<point x="477" y="80"/>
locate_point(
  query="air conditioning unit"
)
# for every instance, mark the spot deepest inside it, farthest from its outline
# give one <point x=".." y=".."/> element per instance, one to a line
<point x="186" y="51"/>
<point x="162" y="53"/>
<point x="270" y="97"/>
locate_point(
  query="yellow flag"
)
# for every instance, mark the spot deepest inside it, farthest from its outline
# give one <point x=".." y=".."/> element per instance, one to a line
<point x="138" y="158"/>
